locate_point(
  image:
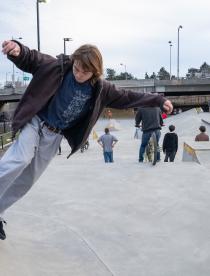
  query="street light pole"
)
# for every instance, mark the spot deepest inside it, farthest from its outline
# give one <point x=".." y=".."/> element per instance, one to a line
<point x="180" y="27"/>
<point x="170" y="44"/>
<point x="13" y="65"/>
<point x="64" y="43"/>
<point x="125" y="70"/>
<point x="37" y="17"/>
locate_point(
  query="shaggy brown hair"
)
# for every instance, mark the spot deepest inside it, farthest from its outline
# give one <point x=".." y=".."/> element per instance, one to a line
<point x="91" y="60"/>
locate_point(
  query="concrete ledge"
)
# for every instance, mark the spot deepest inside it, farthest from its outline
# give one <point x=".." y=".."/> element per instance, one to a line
<point x="206" y="121"/>
<point x="196" y="152"/>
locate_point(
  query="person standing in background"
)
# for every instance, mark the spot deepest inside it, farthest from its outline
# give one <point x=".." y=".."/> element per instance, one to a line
<point x="107" y="142"/>
<point x="151" y="120"/>
<point x="202" y="137"/>
<point x="170" y="144"/>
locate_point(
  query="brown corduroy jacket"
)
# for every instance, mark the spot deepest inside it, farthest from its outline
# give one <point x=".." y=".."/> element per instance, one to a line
<point x="48" y="73"/>
<point x="202" y="137"/>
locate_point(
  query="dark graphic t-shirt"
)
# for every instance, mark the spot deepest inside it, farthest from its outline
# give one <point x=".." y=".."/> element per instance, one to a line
<point x="70" y="103"/>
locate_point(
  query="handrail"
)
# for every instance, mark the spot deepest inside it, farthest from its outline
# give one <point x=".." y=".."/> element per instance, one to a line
<point x="5" y="139"/>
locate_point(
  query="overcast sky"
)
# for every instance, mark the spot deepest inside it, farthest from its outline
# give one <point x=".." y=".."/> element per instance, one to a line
<point x="135" y="32"/>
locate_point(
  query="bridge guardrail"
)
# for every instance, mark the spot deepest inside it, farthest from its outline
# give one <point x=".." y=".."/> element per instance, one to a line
<point x="5" y="139"/>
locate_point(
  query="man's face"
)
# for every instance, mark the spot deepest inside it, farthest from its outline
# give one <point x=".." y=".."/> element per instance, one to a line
<point x="79" y="73"/>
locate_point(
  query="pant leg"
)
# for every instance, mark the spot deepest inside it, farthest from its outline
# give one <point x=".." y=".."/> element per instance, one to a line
<point x="144" y="142"/>
<point x="172" y="156"/>
<point x="110" y="157"/>
<point x="158" y="134"/>
<point x="19" y="155"/>
<point x="166" y="156"/>
<point x="47" y="149"/>
<point x="106" y="157"/>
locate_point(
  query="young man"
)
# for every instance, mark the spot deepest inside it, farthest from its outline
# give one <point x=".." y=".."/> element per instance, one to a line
<point x="107" y="142"/>
<point x="151" y="122"/>
<point x="202" y="136"/>
<point x="170" y="144"/>
<point x="65" y="98"/>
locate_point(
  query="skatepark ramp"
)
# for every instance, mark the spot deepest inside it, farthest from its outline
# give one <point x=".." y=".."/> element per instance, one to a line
<point x="113" y="125"/>
<point x="87" y="218"/>
<point x="196" y="152"/>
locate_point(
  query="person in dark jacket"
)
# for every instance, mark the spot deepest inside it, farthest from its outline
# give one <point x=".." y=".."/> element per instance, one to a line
<point x="170" y="144"/>
<point x="151" y="121"/>
<point x="64" y="98"/>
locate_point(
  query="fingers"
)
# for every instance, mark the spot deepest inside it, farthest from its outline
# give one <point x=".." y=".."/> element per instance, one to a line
<point x="7" y="46"/>
<point x="168" y="106"/>
<point x="10" y="48"/>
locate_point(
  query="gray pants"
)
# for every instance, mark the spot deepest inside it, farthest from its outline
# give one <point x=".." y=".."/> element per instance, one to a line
<point x="25" y="161"/>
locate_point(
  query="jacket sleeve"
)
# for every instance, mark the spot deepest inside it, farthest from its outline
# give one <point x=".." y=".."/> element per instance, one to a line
<point x="176" y="142"/>
<point x="164" y="143"/>
<point x="138" y="118"/>
<point x="29" y="60"/>
<point x="161" y="119"/>
<point x="122" y="99"/>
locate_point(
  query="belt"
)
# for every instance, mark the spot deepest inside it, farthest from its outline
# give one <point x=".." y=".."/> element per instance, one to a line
<point x="53" y="129"/>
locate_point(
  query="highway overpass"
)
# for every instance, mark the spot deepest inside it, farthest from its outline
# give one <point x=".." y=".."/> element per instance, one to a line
<point x="10" y="95"/>
<point x="183" y="92"/>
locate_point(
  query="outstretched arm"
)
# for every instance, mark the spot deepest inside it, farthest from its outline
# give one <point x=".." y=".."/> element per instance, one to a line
<point x="24" y="58"/>
<point x="122" y="99"/>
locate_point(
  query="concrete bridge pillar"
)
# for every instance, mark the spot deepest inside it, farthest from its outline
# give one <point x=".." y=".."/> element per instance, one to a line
<point x="1" y="105"/>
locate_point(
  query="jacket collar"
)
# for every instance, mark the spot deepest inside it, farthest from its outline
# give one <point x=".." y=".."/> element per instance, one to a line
<point x="65" y="63"/>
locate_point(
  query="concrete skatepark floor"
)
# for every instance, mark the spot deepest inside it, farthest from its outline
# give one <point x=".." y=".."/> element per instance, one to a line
<point x="87" y="218"/>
